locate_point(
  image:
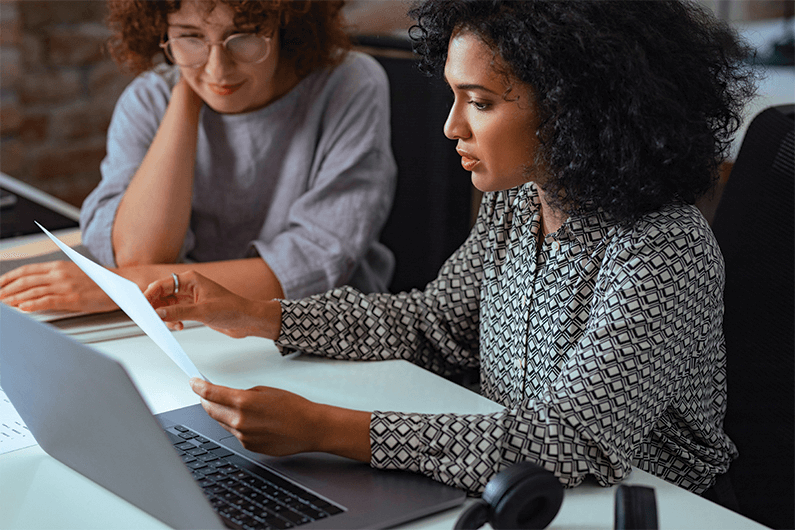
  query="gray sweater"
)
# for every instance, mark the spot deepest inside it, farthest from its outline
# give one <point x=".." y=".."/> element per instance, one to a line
<point x="306" y="182"/>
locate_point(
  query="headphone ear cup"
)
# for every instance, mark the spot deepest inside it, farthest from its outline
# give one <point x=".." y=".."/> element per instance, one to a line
<point x="635" y="508"/>
<point x="523" y="496"/>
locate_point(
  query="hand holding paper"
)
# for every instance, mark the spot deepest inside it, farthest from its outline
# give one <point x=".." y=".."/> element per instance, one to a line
<point x="131" y="300"/>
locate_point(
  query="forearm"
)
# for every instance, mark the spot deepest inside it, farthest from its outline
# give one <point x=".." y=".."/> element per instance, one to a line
<point x="251" y="277"/>
<point x="154" y="214"/>
<point x="343" y="432"/>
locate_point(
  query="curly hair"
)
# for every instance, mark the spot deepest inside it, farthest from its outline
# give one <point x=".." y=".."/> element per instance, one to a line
<point x="638" y="101"/>
<point x="311" y="33"/>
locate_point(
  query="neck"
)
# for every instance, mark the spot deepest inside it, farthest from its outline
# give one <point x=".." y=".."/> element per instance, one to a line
<point x="551" y="219"/>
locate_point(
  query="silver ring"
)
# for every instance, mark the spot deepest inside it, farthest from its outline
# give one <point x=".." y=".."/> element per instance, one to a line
<point x="176" y="282"/>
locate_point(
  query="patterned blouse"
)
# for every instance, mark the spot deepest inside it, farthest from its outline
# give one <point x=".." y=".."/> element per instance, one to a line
<point x="604" y="345"/>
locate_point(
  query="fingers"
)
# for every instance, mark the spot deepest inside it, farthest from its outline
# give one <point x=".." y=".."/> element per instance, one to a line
<point x="25" y="270"/>
<point x="264" y="419"/>
<point x="198" y="298"/>
<point x="216" y="393"/>
<point x="161" y="295"/>
<point x="55" y="285"/>
<point x="228" y="404"/>
<point x="45" y="302"/>
<point x="220" y="402"/>
<point x="23" y="278"/>
<point x="158" y="291"/>
<point x="176" y="313"/>
<point x="22" y="296"/>
<point x="37" y="293"/>
<point x="164" y="290"/>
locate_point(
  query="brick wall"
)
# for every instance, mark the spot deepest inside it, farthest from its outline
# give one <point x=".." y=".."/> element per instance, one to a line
<point x="58" y="87"/>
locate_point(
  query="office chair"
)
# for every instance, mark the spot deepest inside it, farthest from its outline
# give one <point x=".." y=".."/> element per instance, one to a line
<point x="755" y="228"/>
<point x="431" y="214"/>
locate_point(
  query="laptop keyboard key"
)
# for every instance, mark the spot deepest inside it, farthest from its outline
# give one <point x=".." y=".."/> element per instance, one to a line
<point x="278" y="523"/>
<point x="221" y="452"/>
<point x="294" y="517"/>
<point x="244" y="494"/>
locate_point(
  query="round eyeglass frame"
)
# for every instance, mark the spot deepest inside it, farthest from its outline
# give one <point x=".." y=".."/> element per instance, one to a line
<point x="166" y="46"/>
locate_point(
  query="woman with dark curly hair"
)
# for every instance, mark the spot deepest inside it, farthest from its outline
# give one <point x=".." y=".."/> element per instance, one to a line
<point x="589" y="294"/>
<point x="259" y="152"/>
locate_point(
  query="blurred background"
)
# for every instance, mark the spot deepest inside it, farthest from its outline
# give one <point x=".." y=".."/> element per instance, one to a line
<point x="58" y="86"/>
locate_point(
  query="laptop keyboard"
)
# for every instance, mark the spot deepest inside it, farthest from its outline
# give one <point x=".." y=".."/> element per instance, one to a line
<point x="248" y="496"/>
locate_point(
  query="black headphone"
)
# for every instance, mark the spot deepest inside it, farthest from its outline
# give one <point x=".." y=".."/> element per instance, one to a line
<point x="635" y="508"/>
<point x="524" y="495"/>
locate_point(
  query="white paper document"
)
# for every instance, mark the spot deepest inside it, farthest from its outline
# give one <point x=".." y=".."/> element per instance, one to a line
<point x="132" y="301"/>
<point x="14" y="434"/>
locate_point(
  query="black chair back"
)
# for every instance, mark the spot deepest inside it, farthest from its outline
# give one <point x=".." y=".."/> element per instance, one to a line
<point x="755" y="228"/>
<point x="431" y="215"/>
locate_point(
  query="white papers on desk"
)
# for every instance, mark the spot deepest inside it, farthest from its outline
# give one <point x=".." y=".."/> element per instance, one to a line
<point x="14" y="434"/>
<point x="99" y="327"/>
<point x="132" y="301"/>
<point x="53" y="315"/>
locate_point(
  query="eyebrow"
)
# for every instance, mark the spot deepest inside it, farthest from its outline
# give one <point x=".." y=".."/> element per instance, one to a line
<point x="183" y="26"/>
<point x="472" y="86"/>
<point x="229" y="31"/>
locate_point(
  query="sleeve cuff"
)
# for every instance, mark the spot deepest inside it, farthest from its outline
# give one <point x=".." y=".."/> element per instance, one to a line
<point x="396" y="440"/>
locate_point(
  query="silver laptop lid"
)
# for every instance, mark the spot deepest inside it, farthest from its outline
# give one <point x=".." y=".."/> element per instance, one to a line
<point x="84" y="410"/>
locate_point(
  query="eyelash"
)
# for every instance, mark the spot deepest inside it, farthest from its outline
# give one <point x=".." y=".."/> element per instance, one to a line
<point x="481" y="107"/>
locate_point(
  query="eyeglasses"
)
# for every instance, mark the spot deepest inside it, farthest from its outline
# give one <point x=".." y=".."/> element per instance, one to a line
<point x="193" y="52"/>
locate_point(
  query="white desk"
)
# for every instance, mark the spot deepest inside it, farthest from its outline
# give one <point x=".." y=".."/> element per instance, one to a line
<point x="36" y="491"/>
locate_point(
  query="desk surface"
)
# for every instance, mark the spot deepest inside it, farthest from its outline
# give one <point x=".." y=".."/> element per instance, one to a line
<point x="36" y="491"/>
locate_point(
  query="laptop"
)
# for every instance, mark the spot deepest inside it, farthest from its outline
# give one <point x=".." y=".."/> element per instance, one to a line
<point x="180" y="466"/>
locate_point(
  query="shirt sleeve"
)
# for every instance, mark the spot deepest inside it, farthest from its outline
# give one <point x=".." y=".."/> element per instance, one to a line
<point x="135" y="121"/>
<point x="436" y="328"/>
<point x="613" y="388"/>
<point x="332" y="227"/>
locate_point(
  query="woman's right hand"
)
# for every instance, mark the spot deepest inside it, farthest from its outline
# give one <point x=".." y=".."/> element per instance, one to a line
<point x="53" y="286"/>
<point x="203" y="300"/>
<point x="183" y="90"/>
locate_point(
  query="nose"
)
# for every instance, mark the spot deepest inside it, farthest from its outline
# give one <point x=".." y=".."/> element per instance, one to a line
<point x="455" y="127"/>
<point x="218" y="62"/>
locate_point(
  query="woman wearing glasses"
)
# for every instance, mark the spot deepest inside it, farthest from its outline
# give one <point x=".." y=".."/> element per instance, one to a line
<point x="261" y="154"/>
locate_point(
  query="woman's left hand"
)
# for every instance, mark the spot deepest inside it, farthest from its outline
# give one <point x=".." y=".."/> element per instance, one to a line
<point x="276" y="422"/>
<point x="266" y="420"/>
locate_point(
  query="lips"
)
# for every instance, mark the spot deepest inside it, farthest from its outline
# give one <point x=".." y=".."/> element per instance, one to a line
<point x="224" y="90"/>
<point x="468" y="162"/>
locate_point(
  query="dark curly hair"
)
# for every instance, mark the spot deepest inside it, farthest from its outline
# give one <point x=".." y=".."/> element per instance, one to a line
<point x="311" y="33"/>
<point x="638" y="101"/>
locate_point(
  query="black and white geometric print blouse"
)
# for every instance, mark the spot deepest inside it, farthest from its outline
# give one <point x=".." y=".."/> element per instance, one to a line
<point x="604" y="346"/>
